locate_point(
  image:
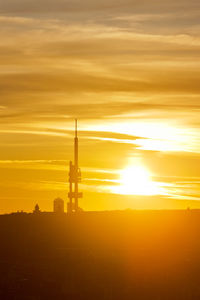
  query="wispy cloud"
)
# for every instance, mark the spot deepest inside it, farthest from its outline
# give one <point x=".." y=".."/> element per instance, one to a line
<point x="128" y="70"/>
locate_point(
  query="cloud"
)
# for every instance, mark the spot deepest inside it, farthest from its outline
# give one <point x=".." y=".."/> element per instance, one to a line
<point x="105" y="63"/>
<point x="30" y="6"/>
<point x="41" y="112"/>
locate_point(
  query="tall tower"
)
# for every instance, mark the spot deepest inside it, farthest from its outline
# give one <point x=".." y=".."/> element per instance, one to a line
<point x="74" y="178"/>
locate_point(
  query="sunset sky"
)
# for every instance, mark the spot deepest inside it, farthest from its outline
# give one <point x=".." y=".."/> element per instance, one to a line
<point x="130" y="72"/>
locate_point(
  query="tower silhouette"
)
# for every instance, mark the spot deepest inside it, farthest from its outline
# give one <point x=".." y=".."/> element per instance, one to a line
<point x="74" y="178"/>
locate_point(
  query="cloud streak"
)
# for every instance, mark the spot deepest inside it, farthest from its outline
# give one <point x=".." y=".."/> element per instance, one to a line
<point x="129" y="70"/>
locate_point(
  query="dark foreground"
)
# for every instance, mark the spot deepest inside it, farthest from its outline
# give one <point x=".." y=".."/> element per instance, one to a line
<point x="110" y="255"/>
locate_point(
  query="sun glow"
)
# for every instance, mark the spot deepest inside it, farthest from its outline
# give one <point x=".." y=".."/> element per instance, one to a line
<point x="156" y="136"/>
<point x="136" y="180"/>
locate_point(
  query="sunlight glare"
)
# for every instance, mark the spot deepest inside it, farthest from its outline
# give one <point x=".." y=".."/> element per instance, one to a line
<point x="136" y="180"/>
<point x="156" y="136"/>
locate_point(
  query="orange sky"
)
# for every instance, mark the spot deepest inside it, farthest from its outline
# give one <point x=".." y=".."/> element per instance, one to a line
<point x="129" y="71"/>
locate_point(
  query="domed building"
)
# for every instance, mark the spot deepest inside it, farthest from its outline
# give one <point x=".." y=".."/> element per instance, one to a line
<point x="36" y="209"/>
<point x="58" y="205"/>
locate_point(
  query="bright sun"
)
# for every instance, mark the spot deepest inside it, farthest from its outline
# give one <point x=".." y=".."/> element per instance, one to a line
<point x="136" y="180"/>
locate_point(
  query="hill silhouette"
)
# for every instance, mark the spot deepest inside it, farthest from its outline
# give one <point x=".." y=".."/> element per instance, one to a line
<point x="100" y="255"/>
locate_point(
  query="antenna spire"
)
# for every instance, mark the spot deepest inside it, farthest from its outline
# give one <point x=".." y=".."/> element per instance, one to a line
<point x="76" y="128"/>
<point x="74" y="178"/>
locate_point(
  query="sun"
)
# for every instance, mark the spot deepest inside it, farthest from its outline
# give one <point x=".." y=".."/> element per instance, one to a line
<point x="136" y="180"/>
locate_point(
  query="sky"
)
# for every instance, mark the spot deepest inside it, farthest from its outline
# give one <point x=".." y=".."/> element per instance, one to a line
<point x="129" y="71"/>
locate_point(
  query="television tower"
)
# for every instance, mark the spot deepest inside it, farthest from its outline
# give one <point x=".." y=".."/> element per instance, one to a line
<point x="74" y="178"/>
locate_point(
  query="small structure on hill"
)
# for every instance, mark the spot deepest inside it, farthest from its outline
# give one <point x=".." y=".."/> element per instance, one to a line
<point x="58" y="205"/>
<point x="36" y="209"/>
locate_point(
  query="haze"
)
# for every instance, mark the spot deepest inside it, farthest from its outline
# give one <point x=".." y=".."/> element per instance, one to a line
<point x="129" y="71"/>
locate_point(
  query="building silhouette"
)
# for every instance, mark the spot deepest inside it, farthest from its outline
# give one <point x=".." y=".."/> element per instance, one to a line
<point x="58" y="205"/>
<point x="74" y="179"/>
<point x="36" y="209"/>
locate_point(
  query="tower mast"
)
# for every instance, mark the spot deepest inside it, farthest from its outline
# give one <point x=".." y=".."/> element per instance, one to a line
<point x="76" y="169"/>
<point x="74" y="177"/>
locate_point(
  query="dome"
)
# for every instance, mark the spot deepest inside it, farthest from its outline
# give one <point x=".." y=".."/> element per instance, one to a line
<point x="58" y="205"/>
